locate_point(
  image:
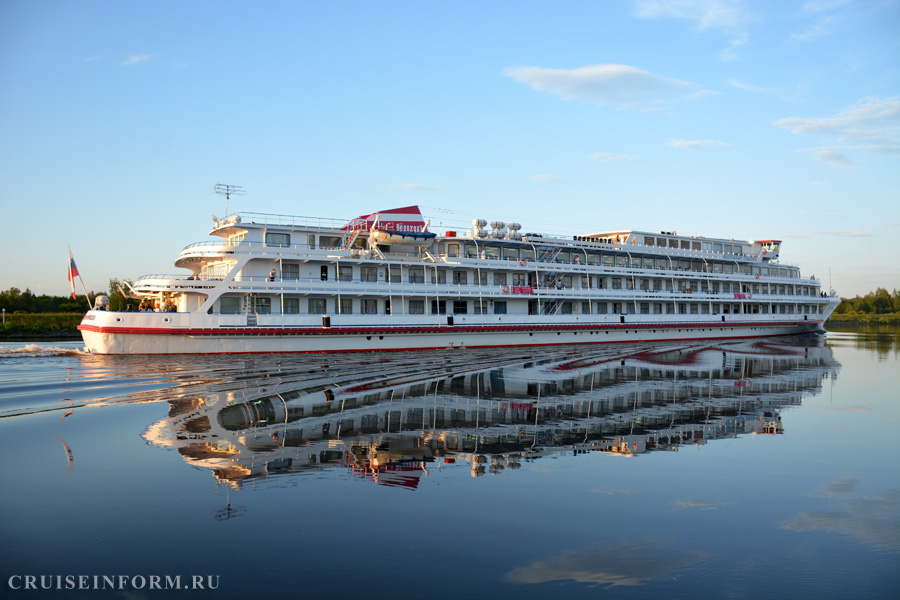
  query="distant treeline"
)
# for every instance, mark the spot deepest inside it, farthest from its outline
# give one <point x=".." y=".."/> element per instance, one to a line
<point x="15" y="300"/>
<point x="879" y="302"/>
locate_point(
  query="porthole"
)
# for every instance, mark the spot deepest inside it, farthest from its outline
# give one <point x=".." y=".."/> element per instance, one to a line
<point x="118" y="319"/>
<point x="368" y="337"/>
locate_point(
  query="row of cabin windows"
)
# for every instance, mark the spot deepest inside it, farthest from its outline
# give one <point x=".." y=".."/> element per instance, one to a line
<point x="717" y="247"/>
<point x="263" y="305"/>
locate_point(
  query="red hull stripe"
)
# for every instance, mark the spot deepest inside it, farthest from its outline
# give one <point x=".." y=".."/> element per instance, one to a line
<point x="445" y="329"/>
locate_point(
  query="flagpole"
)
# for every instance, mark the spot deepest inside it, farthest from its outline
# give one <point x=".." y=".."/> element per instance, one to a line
<point x="78" y="274"/>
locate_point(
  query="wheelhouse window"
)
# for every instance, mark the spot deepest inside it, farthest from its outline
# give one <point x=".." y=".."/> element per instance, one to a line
<point x="279" y="240"/>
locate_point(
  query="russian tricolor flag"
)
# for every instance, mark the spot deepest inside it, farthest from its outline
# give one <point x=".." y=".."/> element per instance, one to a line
<point x="73" y="273"/>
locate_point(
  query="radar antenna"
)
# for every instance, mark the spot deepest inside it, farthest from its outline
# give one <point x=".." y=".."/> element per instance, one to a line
<point x="223" y="189"/>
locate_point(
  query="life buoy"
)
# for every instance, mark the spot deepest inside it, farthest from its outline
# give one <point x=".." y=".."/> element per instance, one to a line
<point x="505" y="289"/>
<point x="522" y="262"/>
<point x="757" y="275"/>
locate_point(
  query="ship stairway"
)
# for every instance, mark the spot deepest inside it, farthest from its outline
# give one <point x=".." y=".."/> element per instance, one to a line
<point x="551" y="307"/>
<point x="349" y="238"/>
<point x="549" y="254"/>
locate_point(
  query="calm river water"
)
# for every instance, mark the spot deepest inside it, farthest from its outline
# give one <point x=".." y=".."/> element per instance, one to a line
<point x="754" y="469"/>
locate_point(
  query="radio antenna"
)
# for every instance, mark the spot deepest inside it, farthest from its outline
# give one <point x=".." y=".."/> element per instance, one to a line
<point x="223" y="189"/>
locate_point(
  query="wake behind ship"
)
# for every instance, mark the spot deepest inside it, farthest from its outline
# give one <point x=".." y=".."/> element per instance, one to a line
<point x="275" y="283"/>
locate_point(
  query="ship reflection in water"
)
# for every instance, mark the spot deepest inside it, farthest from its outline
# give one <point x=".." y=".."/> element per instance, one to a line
<point x="393" y="419"/>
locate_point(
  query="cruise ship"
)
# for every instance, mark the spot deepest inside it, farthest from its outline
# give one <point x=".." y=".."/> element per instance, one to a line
<point x="383" y="281"/>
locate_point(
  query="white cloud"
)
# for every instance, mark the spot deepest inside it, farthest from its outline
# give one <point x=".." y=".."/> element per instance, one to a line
<point x="870" y="125"/>
<point x="413" y="186"/>
<point x="545" y="178"/>
<point x="696" y="144"/>
<point x="833" y="157"/>
<point x="618" y="85"/>
<point x="704" y="14"/>
<point x="137" y="59"/>
<point x="728" y="16"/>
<point x="605" y="156"/>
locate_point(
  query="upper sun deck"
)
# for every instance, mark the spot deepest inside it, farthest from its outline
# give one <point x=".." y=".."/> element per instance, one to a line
<point x="629" y="240"/>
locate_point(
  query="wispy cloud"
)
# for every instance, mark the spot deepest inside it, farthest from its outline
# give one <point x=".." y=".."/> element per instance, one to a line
<point x="545" y="178"/>
<point x="611" y="491"/>
<point x="826" y="18"/>
<point x="729" y="17"/>
<point x="622" y="563"/>
<point x="818" y="214"/>
<point x="413" y="186"/>
<point x="613" y="85"/>
<point x="696" y="144"/>
<point x="870" y="125"/>
<point x="605" y="156"/>
<point x="833" y="157"/>
<point x="700" y="504"/>
<point x="137" y="59"/>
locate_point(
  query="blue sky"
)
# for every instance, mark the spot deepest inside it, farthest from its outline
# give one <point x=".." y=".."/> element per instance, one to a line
<point x="746" y="120"/>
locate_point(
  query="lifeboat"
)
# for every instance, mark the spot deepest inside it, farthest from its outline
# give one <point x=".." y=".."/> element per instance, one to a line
<point x="407" y="238"/>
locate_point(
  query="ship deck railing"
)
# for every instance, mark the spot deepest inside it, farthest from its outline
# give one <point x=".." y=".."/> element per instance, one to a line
<point x="327" y="253"/>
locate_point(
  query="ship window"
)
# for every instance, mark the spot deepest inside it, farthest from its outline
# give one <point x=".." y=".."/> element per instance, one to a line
<point x="685" y="245"/>
<point x="417" y="275"/>
<point x="695" y="245"/>
<point x="229" y="305"/>
<point x="564" y="257"/>
<point x="460" y="277"/>
<point x="417" y="307"/>
<point x="616" y="283"/>
<point x="585" y="308"/>
<point x="645" y="308"/>
<point x="648" y="263"/>
<point x="441" y="276"/>
<point x="492" y="252"/>
<point x="316" y="306"/>
<point x="394" y="273"/>
<point x="369" y="307"/>
<point x="600" y="307"/>
<point x="527" y="253"/>
<point x="673" y="243"/>
<point x="644" y="284"/>
<point x="670" y="308"/>
<point x="290" y="271"/>
<point x="329" y="241"/>
<point x="368" y="273"/>
<point x="499" y="278"/>
<point x="438" y="307"/>
<point x="693" y="309"/>
<point x="311" y="241"/>
<point x="657" y="308"/>
<point x="585" y="282"/>
<point x="291" y="306"/>
<point x="608" y="260"/>
<point x="480" y="307"/>
<point x="323" y="272"/>
<point x="500" y="307"/>
<point x="234" y="240"/>
<point x="661" y="263"/>
<point x="649" y="241"/>
<point x="460" y="307"/>
<point x="621" y="261"/>
<point x="510" y="253"/>
<point x="482" y="277"/>
<point x="518" y="279"/>
<point x="566" y="281"/>
<point x="345" y="273"/>
<point x="453" y="250"/>
<point x="566" y="308"/>
<point x="471" y="251"/>
<point x="717" y="247"/>
<point x="262" y="305"/>
<point x="278" y="239"/>
<point x="343" y="306"/>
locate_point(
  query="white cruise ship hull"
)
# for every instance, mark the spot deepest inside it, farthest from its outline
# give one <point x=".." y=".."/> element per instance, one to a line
<point x="162" y="333"/>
